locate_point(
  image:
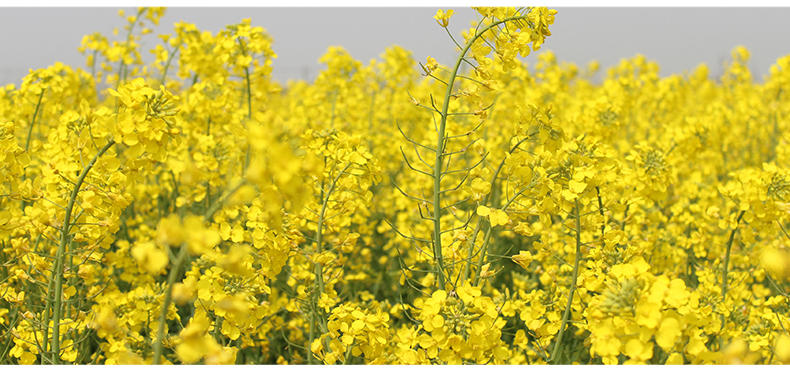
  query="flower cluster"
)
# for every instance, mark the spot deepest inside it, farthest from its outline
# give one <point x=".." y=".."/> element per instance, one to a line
<point x="494" y="211"/>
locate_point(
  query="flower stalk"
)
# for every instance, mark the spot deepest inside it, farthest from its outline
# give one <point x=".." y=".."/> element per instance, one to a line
<point x="57" y="270"/>
<point x="572" y="290"/>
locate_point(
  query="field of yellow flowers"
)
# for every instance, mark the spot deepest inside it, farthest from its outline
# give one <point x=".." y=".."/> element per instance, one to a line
<point x="192" y="210"/>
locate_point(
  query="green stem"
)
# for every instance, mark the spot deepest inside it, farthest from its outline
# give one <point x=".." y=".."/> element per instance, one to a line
<point x="8" y="342"/>
<point x="724" y="284"/>
<point x="487" y="239"/>
<point x="249" y="92"/>
<point x="30" y="135"/>
<point x="174" y="272"/>
<point x="64" y="236"/>
<point x="218" y="204"/>
<point x="171" y="279"/>
<point x="167" y="65"/>
<point x="440" y="142"/>
<point x="347" y="357"/>
<point x="311" y="337"/>
<point x="249" y="106"/>
<point x="566" y="314"/>
<point x="603" y="217"/>
<point x="483" y="252"/>
<point x="489" y="198"/>
<point x="318" y="269"/>
<point x="247" y="78"/>
<point x="33" y="121"/>
<point x="470" y="251"/>
<point x="47" y="308"/>
<point x="122" y="63"/>
<point x="249" y="116"/>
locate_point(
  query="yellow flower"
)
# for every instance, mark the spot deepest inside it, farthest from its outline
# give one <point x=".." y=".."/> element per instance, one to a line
<point x="430" y="65"/>
<point x="674" y="359"/>
<point x="638" y="351"/>
<point x="497" y="217"/>
<point x="150" y="257"/>
<point x="782" y="348"/>
<point x="443" y="17"/>
<point x="523" y="258"/>
<point x="668" y="333"/>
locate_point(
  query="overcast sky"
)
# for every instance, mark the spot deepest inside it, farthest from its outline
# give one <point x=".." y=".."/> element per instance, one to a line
<point x="678" y="38"/>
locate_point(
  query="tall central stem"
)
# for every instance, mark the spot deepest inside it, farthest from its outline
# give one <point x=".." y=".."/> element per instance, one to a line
<point x="440" y="146"/>
<point x="572" y="290"/>
<point x="61" y="253"/>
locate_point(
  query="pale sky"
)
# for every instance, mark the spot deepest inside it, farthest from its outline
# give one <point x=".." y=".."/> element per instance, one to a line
<point x="678" y="38"/>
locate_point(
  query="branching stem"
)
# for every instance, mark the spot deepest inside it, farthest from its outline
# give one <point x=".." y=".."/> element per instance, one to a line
<point x="440" y="151"/>
<point x="725" y="271"/>
<point x="167" y="65"/>
<point x="171" y="279"/>
<point x="566" y="314"/>
<point x="318" y="269"/>
<point x="33" y="121"/>
<point x="61" y="253"/>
